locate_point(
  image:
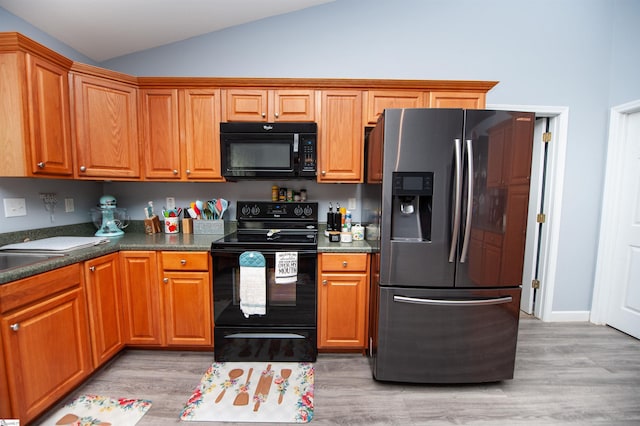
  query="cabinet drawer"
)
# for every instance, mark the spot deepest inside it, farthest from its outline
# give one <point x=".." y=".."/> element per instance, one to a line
<point x="344" y="262"/>
<point x="185" y="261"/>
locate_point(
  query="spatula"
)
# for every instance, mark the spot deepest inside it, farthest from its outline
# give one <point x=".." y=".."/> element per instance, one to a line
<point x="233" y="377"/>
<point x="243" y="397"/>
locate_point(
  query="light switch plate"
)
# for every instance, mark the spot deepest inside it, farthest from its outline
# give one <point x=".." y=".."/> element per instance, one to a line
<point x="14" y="207"/>
<point x="352" y="204"/>
<point x="69" y="205"/>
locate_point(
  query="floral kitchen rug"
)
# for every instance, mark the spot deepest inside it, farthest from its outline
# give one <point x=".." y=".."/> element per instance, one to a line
<point x="95" y="410"/>
<point x="278" y="392"/>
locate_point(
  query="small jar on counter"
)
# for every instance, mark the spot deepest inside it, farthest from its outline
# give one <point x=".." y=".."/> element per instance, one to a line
<point x="275" y="193"/>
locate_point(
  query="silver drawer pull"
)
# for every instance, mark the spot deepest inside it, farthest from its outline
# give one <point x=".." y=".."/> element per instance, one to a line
<point x="448" y="302"/>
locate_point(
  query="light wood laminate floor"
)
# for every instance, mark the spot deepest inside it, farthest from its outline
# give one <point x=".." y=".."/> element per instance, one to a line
<point x="566" y="373"/>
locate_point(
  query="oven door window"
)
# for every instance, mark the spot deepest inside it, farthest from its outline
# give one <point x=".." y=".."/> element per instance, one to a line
<point x="287" y="304"/>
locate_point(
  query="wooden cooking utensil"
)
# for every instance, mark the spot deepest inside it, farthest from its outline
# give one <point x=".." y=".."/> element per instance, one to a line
<point x="243" y="397"/>
<point x="233" y="375"/>
<point x="284" y="373"/>
<point x="262" y="390"/>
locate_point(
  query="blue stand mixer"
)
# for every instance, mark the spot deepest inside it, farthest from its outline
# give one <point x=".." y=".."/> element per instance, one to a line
<point x="109" y="219"/>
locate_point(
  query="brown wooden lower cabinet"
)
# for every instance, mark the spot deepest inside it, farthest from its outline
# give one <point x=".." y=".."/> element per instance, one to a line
<point x="343" y="291"/>
<point x="167" y="298"/>
<point x="104" y="301"/>
<point x="43" y="326"/>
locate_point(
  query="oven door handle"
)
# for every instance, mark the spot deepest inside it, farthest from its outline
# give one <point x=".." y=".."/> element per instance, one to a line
<point x="264" y="336"/>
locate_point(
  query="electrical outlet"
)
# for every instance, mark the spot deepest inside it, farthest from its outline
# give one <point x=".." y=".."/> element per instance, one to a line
<point x="68" y="205"/>
<point x="15" y="207"/>
<point x="352" y="204"/>
<point x="171" y="203"/>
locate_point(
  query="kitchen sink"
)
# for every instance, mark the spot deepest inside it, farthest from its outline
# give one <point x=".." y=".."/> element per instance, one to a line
<point x="10" y="260"/>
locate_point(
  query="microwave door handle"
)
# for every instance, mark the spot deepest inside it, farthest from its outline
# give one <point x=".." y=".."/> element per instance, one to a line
<point x="457" y="201"/>
<point x="296" y="140"/>
<point x="467" y="230"/>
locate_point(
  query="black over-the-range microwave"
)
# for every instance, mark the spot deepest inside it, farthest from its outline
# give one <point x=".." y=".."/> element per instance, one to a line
<point x="268" y="150"/>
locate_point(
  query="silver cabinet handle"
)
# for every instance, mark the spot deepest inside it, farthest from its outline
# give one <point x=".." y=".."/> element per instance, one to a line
<point x="175" y="172"/>
<point x="264" y="114"/>
<point x="188" y="171"/>
<point x="183" y="261"/>
<point x="467" y="229"/>
<point x="457" y="203"/>
<point x="92" y="268"/>
<point x="324" y="282"/>
<point x="41" y="164"/>
<point x="15" y="327"/>
<point x="448" y="302"/>
<point x="277" y="115"/>
<point x="344" y="263"/>
<point x="83" y="169"/>
<point x="323" y="172"/>
<point x="165" y="280"/>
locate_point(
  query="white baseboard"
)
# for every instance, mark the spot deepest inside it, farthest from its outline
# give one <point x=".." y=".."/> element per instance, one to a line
<point x="568" y="316"/>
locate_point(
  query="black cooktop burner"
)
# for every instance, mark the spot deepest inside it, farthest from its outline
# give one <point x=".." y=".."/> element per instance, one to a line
<point x="267" y="225"/>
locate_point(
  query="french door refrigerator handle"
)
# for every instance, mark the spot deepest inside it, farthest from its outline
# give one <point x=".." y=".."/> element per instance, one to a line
<point x="458" y="201"/>
<point x="467" y="229"/>
<point x="447" y="302"/>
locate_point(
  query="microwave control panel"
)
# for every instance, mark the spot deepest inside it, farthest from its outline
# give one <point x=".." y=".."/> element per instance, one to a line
<point x="308" y="155"/>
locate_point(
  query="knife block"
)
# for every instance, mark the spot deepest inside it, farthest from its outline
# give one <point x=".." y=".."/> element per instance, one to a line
<point x="152" y="225"/>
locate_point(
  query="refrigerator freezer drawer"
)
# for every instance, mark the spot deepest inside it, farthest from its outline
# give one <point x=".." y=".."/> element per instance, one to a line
<point x="446" y="336"/>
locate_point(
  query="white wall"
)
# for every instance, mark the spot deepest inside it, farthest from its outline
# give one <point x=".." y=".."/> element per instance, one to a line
<point x="581" y="54"/>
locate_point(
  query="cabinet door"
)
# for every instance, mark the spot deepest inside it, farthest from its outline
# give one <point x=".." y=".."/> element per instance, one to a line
<point x="341" y="137"/>
<point x="141" y="298"/>
<point x="49" y="118"/>
<point x="293" y="105"/>
<point x="160" y="133"/>
<point x="188" y="311"/>
<point x="200" y="133"/>
<point x="378" y="100"/>
<point x="246" y="105"/>
<point x="47" y="353"/>
<point x="342" y="310"/>
<point x="457" y="100"/>
<point x="102" y="281"/>
<point x="106" y="120"/>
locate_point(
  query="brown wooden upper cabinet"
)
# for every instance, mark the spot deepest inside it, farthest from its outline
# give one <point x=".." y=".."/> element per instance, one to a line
<point x="180" y="134"/>
<point x="35" y="124"/>
<point x="454" y="99"/>
<point x="269" y="105"/>
<point x="377" y="101"/>
<point x="340" y="136"/>
<point x="106" y="128"/>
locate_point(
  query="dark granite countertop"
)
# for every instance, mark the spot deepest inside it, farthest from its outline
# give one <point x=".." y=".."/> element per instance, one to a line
<point x="138" y="240"/>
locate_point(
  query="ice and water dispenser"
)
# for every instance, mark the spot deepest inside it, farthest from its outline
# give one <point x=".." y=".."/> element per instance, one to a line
<point x="412" y="197"/>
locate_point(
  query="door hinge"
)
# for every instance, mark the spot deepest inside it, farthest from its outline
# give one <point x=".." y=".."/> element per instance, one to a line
<point x="546" y="137"/>
<point x="535" y="283"/>
<point x="541" y="218"/>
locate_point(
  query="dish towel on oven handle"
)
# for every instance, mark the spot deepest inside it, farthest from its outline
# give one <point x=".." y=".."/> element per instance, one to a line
<point x="286" y="267"/>
<point x="253" y="287"/>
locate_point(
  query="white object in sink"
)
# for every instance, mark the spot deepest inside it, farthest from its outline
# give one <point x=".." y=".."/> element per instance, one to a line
<point x="56" y="244"/>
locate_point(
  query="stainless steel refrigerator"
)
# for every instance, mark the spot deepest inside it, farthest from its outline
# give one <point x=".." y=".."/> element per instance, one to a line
<point x="449" y="191"/>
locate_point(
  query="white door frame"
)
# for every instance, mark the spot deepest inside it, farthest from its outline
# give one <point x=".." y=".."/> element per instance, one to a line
<point x="610" y="210"/>
<point x="555" y="188"/>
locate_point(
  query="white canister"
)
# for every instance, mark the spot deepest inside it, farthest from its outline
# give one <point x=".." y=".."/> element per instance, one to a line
<point x="345" y="237"/>
<point x="358" y="232"/>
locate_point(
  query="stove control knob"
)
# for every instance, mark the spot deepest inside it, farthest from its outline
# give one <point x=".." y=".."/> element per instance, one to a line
<point x="255" y="210"/>
<point x="246" y="210"/>
<point x="297" y="211"/>
<point x="308" y="211"/>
